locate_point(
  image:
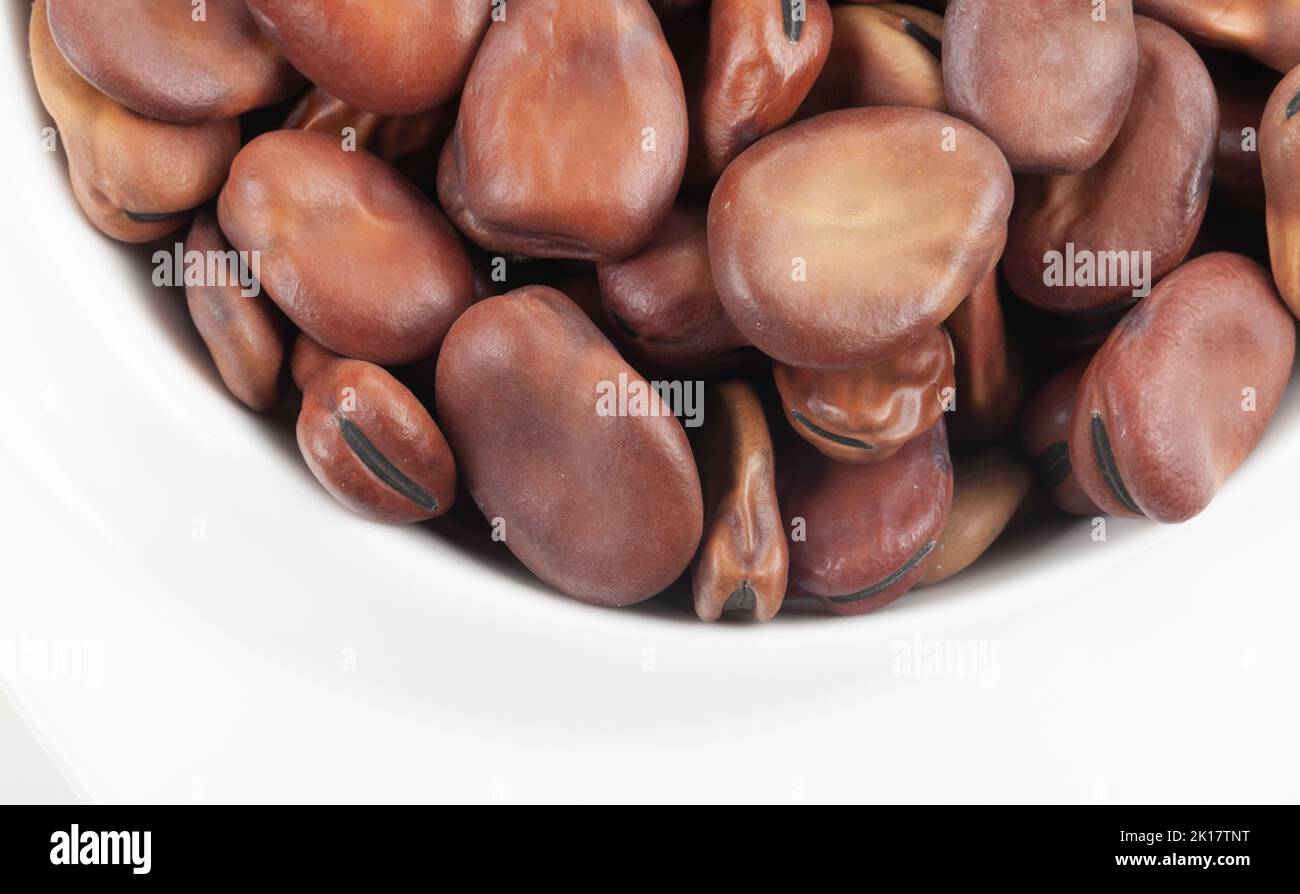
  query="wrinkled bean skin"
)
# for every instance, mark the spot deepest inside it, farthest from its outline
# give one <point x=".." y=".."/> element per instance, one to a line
<point x="388" y="58"/>
<point x="372" y="445"/>
<point x="885" y="55"/>
<point x="1266" y="30"/>
<point x="871" y="529"/>
<point x="664" y="303"/>
<point x="865" y="415"/>
<point x="154" y="58"/>
<point x="245" y="335"/>
<point x="1045" y="439"/>
<point x="551" y="153"/>
<point x="1161" y="419"/>
<point x="1149" y="192"/>
<point x="410" y="143"/>
<point x="605" y="508"/>
<point x="885" y="255"/>
<point x="744" y="560"/>
<point x="1007" y="65"/>
<point x="988" y="489"/>
<point x="760" y="65"/>
<point x="350" y="250"/>
<point x="1279" y="146"/>
<point x="990" y="376"/>
<point x="135" y="178"/>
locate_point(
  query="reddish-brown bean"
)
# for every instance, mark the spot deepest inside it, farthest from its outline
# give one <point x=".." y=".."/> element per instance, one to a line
<point x="1009" y="66"/>
<point x="1147" y="194"/>
<point x="988" y="490"/>
<point x="393" y="58"/>
<point x="571" y="140"/>
<point x="1045" y="439"/>
<point x="869" y="531"/>
<point x="664" y="303"/>
<point x="1267" y="30"/>
<point x="135" y="178"/>
<point x="744" y="561"/>
<point x="762" y="58"/>
<point x="990" y="377"/>
<point x="245" y="334"/>
<point x="370" y="443"/>
<point x="887" y="55"/>
<point x="865" y="415"/>
<point x="831" y="251"/>
<point x="604" y="507"/>
<point x="1279" y="146"/>
<point x="1182" y="390"/>
<point x="171" y="59"/>
<point x="350" y="250"/>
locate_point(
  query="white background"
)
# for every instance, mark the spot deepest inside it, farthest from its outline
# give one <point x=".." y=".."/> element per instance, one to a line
<point x="1161" y="665"/>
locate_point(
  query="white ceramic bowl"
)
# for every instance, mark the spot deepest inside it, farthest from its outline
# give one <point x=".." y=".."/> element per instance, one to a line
<point x="186" y="615"/>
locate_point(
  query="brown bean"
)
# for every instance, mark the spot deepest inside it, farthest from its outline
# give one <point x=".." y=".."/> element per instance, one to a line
<point x="604" y="507"/>
<point x="389" y="58"/>
<point x="369" y="442"/>
<point x="169" y="60"/>
<point x="865" y="415"/>
<point x="988" y="490"/>
<point x="871" y="530"/>
<point x="580" y="100"/>
<point x="664" y="303"/>
<point x="1045" y="439"/>
<point x="1267" y="30"/>
<point x="1279" y="146"/>
<point x="244" y="333"/>
<point x="886" y="55"/>
<point x="1008" y="66"/>
<point x="350" y="250"/>
<point x="744" y="560"/>
<point x="136" y="179"/>
<point x="410" y="143"/>
<point x="762" y="58"/>
<point x="1182" y="390"/>
<point x="1147" y="194"/>
<point x="1243" y="89"/>
<point x="990" y="377"/>
<point x="830" y="252"/>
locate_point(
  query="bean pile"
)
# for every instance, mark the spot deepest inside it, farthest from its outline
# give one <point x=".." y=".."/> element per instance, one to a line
<point x="783" y="299"/>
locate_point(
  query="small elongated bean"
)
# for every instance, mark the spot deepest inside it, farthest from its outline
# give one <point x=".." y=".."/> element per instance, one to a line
<point x="350" y="250"/>
<point x="744" y="561"/>
<point x="136" y="179"/>
<point x="1181" y="392"/>
<point x="989" y="373"/>
<point x="829" y="252"/>
<point x="580" y="100"/>
<point x="244" y="333"/>
<point x="169" y="60"/>
<point x="369" y="442"/>
<point x="602" y="504"/>
<point x="870" y="530"/>
<point x="865" y="415"/>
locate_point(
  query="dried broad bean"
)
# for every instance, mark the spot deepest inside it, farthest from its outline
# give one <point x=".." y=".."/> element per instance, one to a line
<point x="865" y="415"/>
<point x="1134" y="214"/>
<point x="369" y="442"/>
<point x="350" y="250"/>
<point x="868" y="532"/>
<point x="245" y="334"/>
<point x="1279" y="145"/>
<point x="571" y="140"/>
<point x="1267" y="30"/>
<point x="604" y="507"/>
<point x="1045" y="438"/>
<point x="1182" y="390"/>
<point x="172" y="59"/>
<point x="830" y="252"/>
<point x="390" y="58"/>
<point x="988" y="489"/>
<point x="136" y="179"/>
<point x="744" y="560"/>
<point x="990" y="377"/>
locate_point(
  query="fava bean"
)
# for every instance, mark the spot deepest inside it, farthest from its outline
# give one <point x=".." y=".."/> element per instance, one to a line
<point x="988" y="489"/>
<point x="1045" y="438"/>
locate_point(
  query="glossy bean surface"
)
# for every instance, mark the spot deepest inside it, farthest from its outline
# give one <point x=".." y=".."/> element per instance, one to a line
<point x="988" y="489"/>
<point x="1045" y="439"/>
<point x="987" y="366"/>
<point x="1279" y="145"/>
<point x="1267" y="30"/>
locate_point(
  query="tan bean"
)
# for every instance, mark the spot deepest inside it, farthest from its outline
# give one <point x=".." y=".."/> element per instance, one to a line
<point x="988" y="490"/>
